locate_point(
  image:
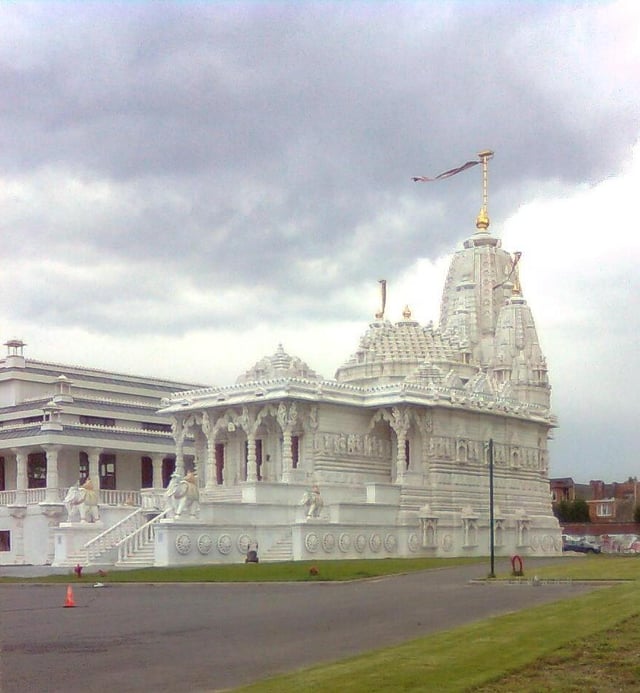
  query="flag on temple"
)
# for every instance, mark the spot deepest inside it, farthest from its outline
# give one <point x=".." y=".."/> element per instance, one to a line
<point x="446" y="174"/>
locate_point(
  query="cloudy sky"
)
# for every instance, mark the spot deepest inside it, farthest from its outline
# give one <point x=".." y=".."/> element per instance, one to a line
<point x="185" y="185"/>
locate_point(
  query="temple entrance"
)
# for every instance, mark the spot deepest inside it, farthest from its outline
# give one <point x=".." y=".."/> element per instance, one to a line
<point x="107" y="472"/>
<point x="219" y="451"/>
<point x="168" y="467"/>
<point x="37" y="470"/>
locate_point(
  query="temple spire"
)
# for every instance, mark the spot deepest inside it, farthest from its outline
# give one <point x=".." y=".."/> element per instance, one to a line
<point x="482" y="220"/>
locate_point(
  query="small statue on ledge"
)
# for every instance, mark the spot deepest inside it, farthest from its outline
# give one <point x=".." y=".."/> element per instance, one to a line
<point x="313" y="501"/>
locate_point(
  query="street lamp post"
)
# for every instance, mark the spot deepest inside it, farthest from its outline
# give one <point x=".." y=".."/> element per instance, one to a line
<point x="492" y="573"/>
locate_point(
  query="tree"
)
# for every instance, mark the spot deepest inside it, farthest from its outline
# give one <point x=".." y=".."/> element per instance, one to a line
<point x="572" y="511"/>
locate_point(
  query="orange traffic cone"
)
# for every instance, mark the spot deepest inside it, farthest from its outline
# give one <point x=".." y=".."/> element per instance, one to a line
<point x="69" y="601"/>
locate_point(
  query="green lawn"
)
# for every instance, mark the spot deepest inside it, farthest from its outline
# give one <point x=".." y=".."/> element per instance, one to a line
<point x="588" y="643"/>
<point x="298" y="571"/>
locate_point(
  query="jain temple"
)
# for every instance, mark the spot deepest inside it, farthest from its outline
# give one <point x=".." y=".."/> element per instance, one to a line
<point x="391" y="457"/>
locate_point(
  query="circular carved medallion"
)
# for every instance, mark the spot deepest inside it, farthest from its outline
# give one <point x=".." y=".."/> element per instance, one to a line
<point x="390" y="543"/>
<point x="243" y="543"/>
<point x="328" y="543"/>
<point x="360" y="543"/>
<point x="224" y="544"/>
<point x="183" y="544"/>
<point x="344" y="542"/>
<point x="547" y="543"/>
<point x="311" y="541"/>
<point x="375" y="543"/>
<point x="535" y="542"/>
<point x="204" y="543"/>
<point x="558" y="544"/>
<point x="414" y="543"/>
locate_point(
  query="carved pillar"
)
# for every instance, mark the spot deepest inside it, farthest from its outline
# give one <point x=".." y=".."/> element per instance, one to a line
<point x="156" y="462"/>
<point x="94" y="467"/>
<point x="400" y="457"/>
<point x="21" y="476"/>
<point x="287" y="457"/>
<point x="210" y="472"/>
<point x="52" y="491"/>
<point x="287" y="418"/>
<point x="179" y="459"/>
<point x="400" y="424"/>
<point x="252" y="462"/>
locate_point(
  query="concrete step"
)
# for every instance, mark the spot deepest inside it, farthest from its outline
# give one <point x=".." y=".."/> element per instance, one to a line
<point x="282" y="550"/>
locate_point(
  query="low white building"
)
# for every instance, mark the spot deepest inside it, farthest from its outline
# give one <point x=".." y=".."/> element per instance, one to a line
<point x="62" y="424"/>
<point x="392" y="454"/>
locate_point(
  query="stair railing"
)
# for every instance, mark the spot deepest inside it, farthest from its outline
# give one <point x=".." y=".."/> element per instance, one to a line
<point x="139" y="538"/>
<point x="108" y="539"/>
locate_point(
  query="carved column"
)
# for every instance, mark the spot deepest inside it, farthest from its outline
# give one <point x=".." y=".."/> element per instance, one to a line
<point x="21" y="476"/>
<point x="52" y="491"/>
<point x="179" y="460"/>
<point x="210" y="473"/>
<point x="178" y="430"/>
<point x="94" y="466"/>
<point x="156" y="462"/>
<point x="252" y="462"/>
<point x="287" y="418"/>
<point x="400" y="424"/>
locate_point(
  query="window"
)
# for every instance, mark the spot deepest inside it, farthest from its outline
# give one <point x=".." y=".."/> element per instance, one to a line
<point x="295" y="451"/>
<point x="604" y="509"/>
<point x="146" y="472"/>
<point x="407" y="453"/>
<point x="37" y="470"/>
<point x="97" y="421"/>
<point x="2" y="477"/>
<point x="160" y="427"/>
<point x="83" y="467"/>
<point x="5" y="540"/>
<point x="107" y="467"/>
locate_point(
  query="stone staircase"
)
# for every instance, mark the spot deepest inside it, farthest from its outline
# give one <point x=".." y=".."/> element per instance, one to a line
<point x="143" y="557"/>
<point x="281" y="550"/>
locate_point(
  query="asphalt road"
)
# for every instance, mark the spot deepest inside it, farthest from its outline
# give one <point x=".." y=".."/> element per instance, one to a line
<point x="206" y="637"/>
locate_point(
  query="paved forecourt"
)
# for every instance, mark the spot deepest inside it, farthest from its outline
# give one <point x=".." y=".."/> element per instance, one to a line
<point x="202" y="637"/>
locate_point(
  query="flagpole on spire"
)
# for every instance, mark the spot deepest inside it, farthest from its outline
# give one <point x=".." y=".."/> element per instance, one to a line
<point x="482" y="220"/>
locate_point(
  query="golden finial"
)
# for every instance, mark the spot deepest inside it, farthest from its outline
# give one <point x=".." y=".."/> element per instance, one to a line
<point x="383" y="299"/>
<point x="406" y="313"/>
<point x="482" y="220"/>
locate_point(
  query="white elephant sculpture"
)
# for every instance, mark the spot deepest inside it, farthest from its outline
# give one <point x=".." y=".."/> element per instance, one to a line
<point x="183" y="495"/>
<point x="82" y="501"/>
<point x="313" y="501"/>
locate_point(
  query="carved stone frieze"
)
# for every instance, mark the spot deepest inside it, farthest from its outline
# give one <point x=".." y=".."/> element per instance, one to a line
<point x="353" y="444"/>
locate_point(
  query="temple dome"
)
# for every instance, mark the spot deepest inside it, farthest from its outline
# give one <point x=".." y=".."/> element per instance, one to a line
<point x="391" y="352"/>
<point x="278" y="365"/>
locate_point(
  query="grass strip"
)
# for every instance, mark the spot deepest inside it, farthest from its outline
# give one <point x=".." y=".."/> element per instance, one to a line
<point x="293" y="571"/>
<point x="606" y="662"/>
<point x="473" y="655"/>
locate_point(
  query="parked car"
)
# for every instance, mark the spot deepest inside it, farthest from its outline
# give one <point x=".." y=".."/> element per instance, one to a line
<point x="580" y="545"/>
